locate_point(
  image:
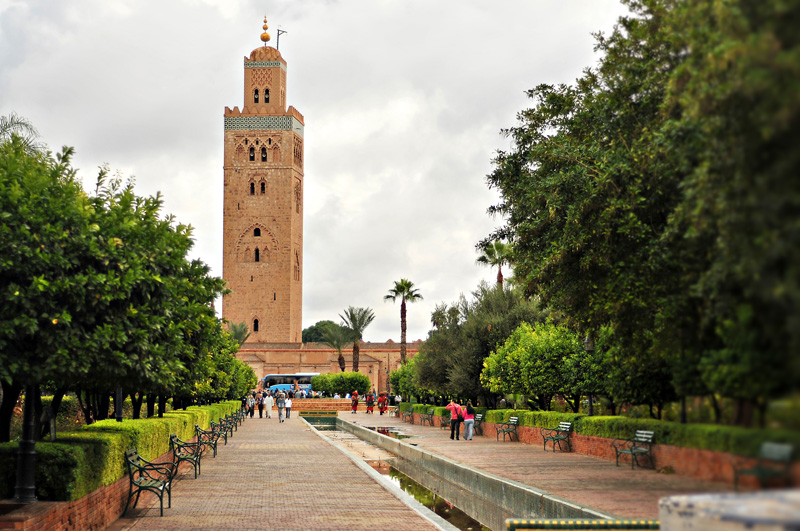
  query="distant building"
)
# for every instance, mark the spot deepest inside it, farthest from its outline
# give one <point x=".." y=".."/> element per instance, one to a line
<point x="262" y="258"/>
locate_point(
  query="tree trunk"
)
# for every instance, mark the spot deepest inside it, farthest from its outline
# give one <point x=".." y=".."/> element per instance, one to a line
<point x="612" y="406"/>
<point x="743" y="413"/>
<point x="717" y="409"/>
<point x="11" y="393"/>
<point x="162" y="405"/>
<point x="151" y="404"/>
<point x="136" y="401"/>
<point x="500" y="276"/>
<point x="103" y="403"/>
<point x="86" y="407"/>
<point x="683" y="410"/>
<point x="356" y="354"/>
<point x="403" y="332"/>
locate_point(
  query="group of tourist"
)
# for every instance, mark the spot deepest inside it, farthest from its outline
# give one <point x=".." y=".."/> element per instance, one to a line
<point x="459" y="414"/>
<point x="265" y="400"/>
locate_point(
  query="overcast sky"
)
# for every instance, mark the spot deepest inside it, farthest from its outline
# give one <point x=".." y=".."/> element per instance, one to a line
<point x="403" y="103"/>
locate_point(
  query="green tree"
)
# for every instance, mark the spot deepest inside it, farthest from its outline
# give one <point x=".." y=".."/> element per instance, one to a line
<point x="240" y="332"/>
<point x="405" y="291"/>
<point x="495" y="254"/>
<point x="313" y="334"/>
<point x="357" y="320"/>
<point x="14" y="125"/>
<point x="451" y="359"/>
<point x="336" y="337"/>
<point x="403" y="381"/>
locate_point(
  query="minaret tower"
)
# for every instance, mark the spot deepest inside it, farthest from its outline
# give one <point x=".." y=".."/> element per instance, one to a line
<point x="263" y="204"/>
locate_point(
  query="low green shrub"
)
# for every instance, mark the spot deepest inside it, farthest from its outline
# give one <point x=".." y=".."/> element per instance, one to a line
<point x="91" y="457"/>
<point x="716" y="437"/>
<point x="720" y="438"/>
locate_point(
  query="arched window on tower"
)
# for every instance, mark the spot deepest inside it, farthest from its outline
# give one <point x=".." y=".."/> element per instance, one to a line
<point x="252" y="153"/>
<point x="263" y="187"/>
<point x="255" y="96"/>
<point x="255" y="325"/>
<point x="256" y="232"/>
<point x="252" y="188"/>
<point x="258" y="256"/>
<point x="263" y="154"/>
<point x="266" y="95"/>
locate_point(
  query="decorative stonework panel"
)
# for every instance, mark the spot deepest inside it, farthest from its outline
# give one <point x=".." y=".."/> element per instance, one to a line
<point x="261" y="77"/>
<point x="264" y="64"/>
<point x="281" y="123"/>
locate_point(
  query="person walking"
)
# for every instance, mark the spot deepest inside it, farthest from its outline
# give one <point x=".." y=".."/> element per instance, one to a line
<point x="456" y="417"/>
<point x="281" y="403"/>
<point x="288" y="407"/>
<point x="469" y="420"/>
<point x="251" y="405"/>
<point x="382" y="403"/>
<point x="260" y="404"/>
<point x="370" y="403"/>
<point x="354" y="402"/>
<point x="268" y="403"/>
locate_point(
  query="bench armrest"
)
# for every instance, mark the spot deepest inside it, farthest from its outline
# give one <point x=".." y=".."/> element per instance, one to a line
<point x="622" y="444"/>
<point x="549" y="432"/>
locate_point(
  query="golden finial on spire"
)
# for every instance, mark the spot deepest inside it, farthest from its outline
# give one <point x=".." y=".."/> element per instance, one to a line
<point x="265" y="35"/>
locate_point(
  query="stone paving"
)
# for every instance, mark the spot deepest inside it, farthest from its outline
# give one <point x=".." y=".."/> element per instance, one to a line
<point x="598" y="483"/>
<point x="275" y="475"/>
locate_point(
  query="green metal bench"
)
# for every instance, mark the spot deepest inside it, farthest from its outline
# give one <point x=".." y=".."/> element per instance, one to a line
<point x="477" y="427"/>
<point x="426" y="417"/>
<point x="228" y="425"/>
<point x="509" y="428"/>
<point x="146" y="476"/>
<point x="190" y="452"/>
<point x="639" y="446"/>
<point x="557" y="435"/>
<point x="444" y="420"/>
<point x="408" y="415"/>
<point x="208" y="438"/>
<point x="773" y="462"/>
<point x="219" y="429"/>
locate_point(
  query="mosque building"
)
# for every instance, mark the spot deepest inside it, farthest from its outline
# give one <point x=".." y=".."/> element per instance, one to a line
<point x="263" y="231"/>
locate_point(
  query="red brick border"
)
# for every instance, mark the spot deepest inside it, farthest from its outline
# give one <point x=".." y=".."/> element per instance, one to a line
<point x="705" y="465"/>
<point x="95" y="511"/>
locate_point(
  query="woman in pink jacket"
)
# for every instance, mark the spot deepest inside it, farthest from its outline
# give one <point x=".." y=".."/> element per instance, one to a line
<point x="456" y="416"/>
<point x="469" y="420"/>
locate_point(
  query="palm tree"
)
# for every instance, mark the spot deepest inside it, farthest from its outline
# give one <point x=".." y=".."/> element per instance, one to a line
<point x="239" y="332"/>
<point x="497" y="254"/>
<point x="405" y="291"/>
<point x="336" y="337"/>
<point x="15" y="125"/>
<point x="357" y="320"/>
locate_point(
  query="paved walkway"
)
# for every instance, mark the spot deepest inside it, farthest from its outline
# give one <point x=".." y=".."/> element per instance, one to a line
<point x="275" y="475"/>
<point x="586" y="480"/>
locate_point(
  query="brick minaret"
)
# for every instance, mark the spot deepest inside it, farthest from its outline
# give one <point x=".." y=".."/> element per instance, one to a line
<point x="263" y="204"/>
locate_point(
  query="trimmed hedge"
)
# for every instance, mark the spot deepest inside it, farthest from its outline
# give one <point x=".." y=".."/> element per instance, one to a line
<point x="720" y="438"/>
<point x="91" y="457"/>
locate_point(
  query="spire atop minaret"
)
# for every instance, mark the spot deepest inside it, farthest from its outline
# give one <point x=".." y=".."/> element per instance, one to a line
<point x="265" y="35"/>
